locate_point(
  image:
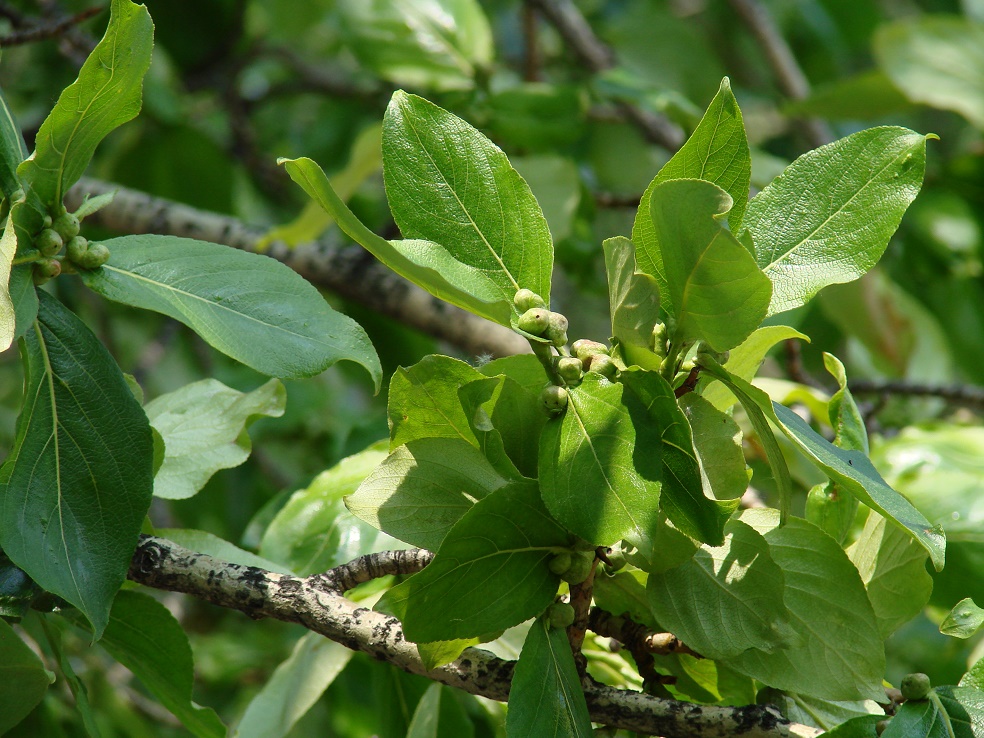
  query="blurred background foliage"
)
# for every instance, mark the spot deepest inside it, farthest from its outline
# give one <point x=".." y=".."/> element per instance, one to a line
<point x="236" y="83"/>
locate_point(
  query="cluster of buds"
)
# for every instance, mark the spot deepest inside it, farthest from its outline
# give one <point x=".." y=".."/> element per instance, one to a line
<point x="62" y="232"/>
<point x="538" y="320"/>
<point x="594" y="357"/>
<point x="572" y="567"/>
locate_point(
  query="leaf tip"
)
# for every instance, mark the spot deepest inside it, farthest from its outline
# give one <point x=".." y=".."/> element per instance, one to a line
<point x="932" y="137"/>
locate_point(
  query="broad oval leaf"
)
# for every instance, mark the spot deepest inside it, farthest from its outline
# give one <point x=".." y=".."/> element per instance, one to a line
<point x="947" y="712"/>
<point x="428" y="265"/>
<point x="726" y="599"/>
<point x="12" y="150"/>
<point x="447" y="183"/>
<point x="8" y="315"/>
<point x="717" y="151"/>
<point x="964" y="620"/>
<point x="633" y="302"/>
<point x="77" y="484"/>
<point x="490" y="573"/>
<point x="829" y="216"/>
<point x="248" y="306"/>
<point x="718" y="294"/>
<point x="147" y="639"/>
<point x="423" y="488"/>
<point x="440" y="715"/>
<point x="600" y="463"/>
<point x="840" y="655"/>
<point x="717" y="441"/>
<point x="546" y="698"/>
<point x="937" y="60"/>
<point x="106" y="94"/>
<point x="204" y="428"/>
<point x="24" y="678"/>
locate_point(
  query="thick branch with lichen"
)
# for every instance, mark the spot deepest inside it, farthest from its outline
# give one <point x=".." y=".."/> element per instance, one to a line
<point x="317" y="603"/>
<point x="344" y="269"/>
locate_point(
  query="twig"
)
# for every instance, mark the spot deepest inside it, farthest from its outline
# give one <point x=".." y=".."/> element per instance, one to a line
<point x="329" y="262"/>
<point x="958" y="394"/>
<point x="581" y="595"/>
<point x="40" y="32"/>
<point x="792" y="81"/>
<point x="531" y="57"/>
<point x="597" y="57"/>
<point x="631" y="634"/>
<point x="314" y="602"/>
<point x="615" y="200"/>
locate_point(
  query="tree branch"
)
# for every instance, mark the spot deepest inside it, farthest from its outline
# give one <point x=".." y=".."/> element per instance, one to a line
<point x="316" y="603"/>
<point x="957" y="394"/>
<point x="346" y="270"/>
<point x="596" y="56"/>
<point x="48" y="29"/>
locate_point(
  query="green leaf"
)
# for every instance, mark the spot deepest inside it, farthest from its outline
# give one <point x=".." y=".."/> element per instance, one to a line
<point x="975" y="676"/>
<point x="78" y="482"/>
<point x="440" y="715"/>
<point x="893" y="568"/>
<point x="868" y="95"/>
<point x="964" y="620"/>
<point x="599" y="464"/>
<point x="863" y="726"/>
<point x="828" y="218"/>
<point x="313" y="531"/>
<point x="423" y="488"/>
<point x="845" y="418"/>
<point x="12" y="151"/>
<point x="624" y="592"/>
<point x="937" y="60"/>
<point x="423" y="401"/>
<point x="546" y="698"/>
<point x="24" y="297"/>
<point x="744" y="361"/>
<point x="428" y="265"/>
<point x="201" y="541"/>
<point x="717" y="293"/>
<point x="717" y="152"/>
<point x="490" y="573"/>
<point x="147" y="639"/>
<point x="525" y="369"/>
<point x="293" y="688"/>
<point x="439" y="653"/>
<point x="440" y="44"/>
<point x="840" y="655"/>
<point x="948" y="712"/>
<point x="758" y="407"/>
<point x="24" y="678"/>
<point x="683" y="496"/>
<point x="447" y="183"/>
<point x="717" y="441"/>
<point x="204" y="427"/>
<point x="726" y="599"/>
<point x="824" y="714"/>
<point x="248" y="306"/>
<point x="634" y="304"/>
<point x="105" y="95"/>
<point x="8" y="316"/>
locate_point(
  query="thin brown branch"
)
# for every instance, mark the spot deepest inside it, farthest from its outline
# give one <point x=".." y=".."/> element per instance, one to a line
<point x="315" y="603"/>
<point x="790" y="77"/>
<point x="616" y="200"/>
<point x="579" y="37"/>
<point x="965" y="395"/>
<point x="329" y="262"/>
<point x="50" y="29"/>
<point x="635" y="635"/>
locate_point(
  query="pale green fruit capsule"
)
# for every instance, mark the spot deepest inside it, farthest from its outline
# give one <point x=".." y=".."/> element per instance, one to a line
<point x="579" y="569"/>
<point x="560" y="615"/>
<point x="569" y="369"/>
<point x="583" y="348"/>
<point x="560" y="563"/>
<point x="75" y="248"/>
<point x="67" y="225"/>
<point x="915" y="686"/>
<point x="48" y="242"/>
<point x="660" y="337"/>
<point x="602" y="364"/>
<point x="526" y="299"/>
<point x="553" y="399"/>
<point x="557" y="329"/>
<point x="94" y="257"/>
<point x="535" y="321"/>
<point x="45" y="269"/>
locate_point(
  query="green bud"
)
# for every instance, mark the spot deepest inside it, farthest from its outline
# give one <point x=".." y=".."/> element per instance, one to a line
<point x="67" y="225"/>
<point x="560" y="615"/>
<point x="47" y="221"/>
<point x="75" y="248"/>
<point x="579" y="569"/>
<point x="687" y="366"/>
<point x="569" y="369"/>
<point x="49" y="242"/>
<point x="45" y="269"/>
<point x="719" y="356"/>
<point x="602" y="364"/>
<point x="535" y="321"/>
<point x="617" y="558"/>
<point x="560" y="563"/>
<point x="659" y="339"/>
<point x="583" y="348"/>
<point x="915" y="686"/>
<point x="527" y="299"/>
<point x="553" y="399"/>
<point x="557" y="329"/>
<point x="94" y="257"/>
